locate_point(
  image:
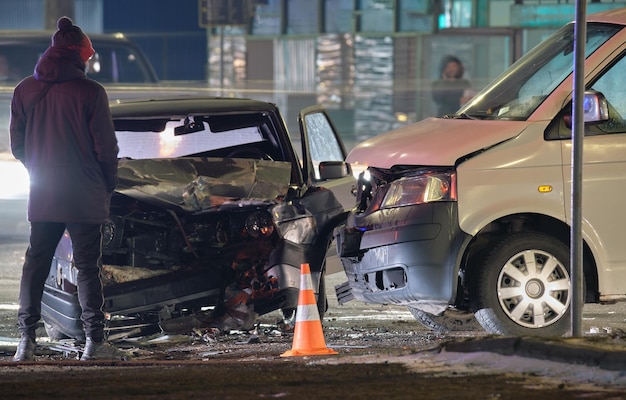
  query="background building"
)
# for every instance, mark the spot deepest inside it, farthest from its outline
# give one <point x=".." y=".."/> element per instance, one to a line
<point x="370" y="62"/>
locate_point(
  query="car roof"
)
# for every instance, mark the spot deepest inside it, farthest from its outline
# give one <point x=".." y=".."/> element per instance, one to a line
<point x="32" y="44"/>
<point x="45" y="37"/>
<point x="185" y="105"/>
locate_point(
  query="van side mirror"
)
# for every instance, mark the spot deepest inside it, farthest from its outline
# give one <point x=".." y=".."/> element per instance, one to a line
<point x="595" y="109"/>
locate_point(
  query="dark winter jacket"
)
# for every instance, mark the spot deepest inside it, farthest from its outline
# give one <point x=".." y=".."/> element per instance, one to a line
<point x="65" y="139"/>
<point x="448" y="93"/>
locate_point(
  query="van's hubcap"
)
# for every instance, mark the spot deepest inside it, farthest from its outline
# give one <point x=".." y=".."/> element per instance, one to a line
<point x="534" y="289"/>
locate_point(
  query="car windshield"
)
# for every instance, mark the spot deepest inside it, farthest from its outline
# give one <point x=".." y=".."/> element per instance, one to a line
<point x="192" y="135"/>
<point x="517" y="93"/>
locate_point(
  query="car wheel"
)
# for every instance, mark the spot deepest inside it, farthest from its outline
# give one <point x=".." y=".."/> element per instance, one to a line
<point x="452" y="320"/>
<point x="53" y="332"/>
<point x="289" y="316"/>
<point x="523" y="287"/>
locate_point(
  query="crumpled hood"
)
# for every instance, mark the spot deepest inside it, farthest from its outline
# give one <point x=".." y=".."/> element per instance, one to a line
<point x="202" y="184"/>
<point x="433" y="142"/>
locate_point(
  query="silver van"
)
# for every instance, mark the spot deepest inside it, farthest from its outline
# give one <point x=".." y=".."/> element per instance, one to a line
<point x="470" y="212"/>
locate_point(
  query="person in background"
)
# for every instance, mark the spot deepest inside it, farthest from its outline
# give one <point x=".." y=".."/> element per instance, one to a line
<point x="62" y="131"/>
<point x="451" y="90"/>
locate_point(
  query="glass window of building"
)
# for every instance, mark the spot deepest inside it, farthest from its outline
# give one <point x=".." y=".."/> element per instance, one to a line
<point x="338" y="16"/>
<point x="375" y="16"/>
<point x="414" y="16"/>
<point x="302" y="17"/>
<point x="456" y="14"/>
<point x="267" y="18"/>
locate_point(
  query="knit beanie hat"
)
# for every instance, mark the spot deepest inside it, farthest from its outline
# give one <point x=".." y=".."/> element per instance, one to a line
<point x="72" y="37"/>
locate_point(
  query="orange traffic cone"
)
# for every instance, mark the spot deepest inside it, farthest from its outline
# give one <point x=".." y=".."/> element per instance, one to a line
<point x="308" y="338"/>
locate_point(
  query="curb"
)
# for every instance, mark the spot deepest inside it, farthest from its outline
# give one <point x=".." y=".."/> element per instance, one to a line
<point x="570" y="351"/>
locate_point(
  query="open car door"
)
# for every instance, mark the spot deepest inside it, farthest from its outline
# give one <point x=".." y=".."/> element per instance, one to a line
<point x="324" y="155"/>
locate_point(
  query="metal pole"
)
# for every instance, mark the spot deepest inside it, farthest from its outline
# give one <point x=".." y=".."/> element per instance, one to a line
<point x="221" y="58"/>
<point x="576" y="253"/>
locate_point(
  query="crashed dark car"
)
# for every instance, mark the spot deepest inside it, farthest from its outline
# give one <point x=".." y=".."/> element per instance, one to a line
<point x="213" y="215"/>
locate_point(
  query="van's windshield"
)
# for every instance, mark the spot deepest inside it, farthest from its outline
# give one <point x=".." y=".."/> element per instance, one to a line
<point x="524" y="86"/>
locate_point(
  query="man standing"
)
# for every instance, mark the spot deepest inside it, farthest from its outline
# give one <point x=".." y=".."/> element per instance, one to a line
<point x="62" y="131"/>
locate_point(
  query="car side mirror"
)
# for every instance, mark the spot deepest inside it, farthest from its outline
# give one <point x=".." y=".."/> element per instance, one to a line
<point x="595" y="109"/>
<point x="334" y="169"/>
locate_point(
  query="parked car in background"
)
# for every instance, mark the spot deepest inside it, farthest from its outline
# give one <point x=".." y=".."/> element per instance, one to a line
<point x="118" y="64"/>
<point x="117" y="60"/>
<point x="212" y="218"/>
<point x="473" y="210"/>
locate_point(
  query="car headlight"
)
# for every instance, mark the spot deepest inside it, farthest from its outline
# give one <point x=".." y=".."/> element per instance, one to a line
<point x="294" y="223"/>
<point x="418" y="189"/>
<point x="259" y="224"/>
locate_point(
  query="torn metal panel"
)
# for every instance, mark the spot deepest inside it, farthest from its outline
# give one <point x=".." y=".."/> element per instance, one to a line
<point x="198" y="184"/>
<point x="124" y="273"/>
<point x="301" y="220"/>
<point x="237" y="314"/>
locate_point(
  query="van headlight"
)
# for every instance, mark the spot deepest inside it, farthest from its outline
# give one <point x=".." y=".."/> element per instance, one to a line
<point x="424" y="188"/>
<point x="357" y="169"/>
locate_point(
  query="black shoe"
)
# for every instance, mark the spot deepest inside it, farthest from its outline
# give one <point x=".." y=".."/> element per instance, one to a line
<point x="100" y="351"/>
<point x="25" y="349"/>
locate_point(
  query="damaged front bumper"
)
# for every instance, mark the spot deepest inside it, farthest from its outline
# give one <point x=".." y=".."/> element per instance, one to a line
<point x="405" y="256"/>
<point x="147" y="306"/>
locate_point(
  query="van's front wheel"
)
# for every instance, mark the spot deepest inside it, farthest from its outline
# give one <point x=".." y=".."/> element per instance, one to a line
<point x="523" y="287"/>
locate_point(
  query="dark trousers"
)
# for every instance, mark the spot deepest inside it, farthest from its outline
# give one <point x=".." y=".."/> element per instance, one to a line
<point x="87" y="248"/>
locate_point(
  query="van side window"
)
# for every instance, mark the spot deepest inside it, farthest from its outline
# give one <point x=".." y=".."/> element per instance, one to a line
<point x="611" y="84"/>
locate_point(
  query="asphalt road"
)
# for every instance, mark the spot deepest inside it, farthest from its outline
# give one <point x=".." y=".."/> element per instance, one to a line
<point x="12" y="251"/>
<point x="381" y="351"/>
<point x="597" y="319"/>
